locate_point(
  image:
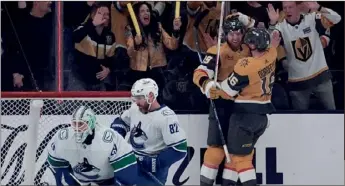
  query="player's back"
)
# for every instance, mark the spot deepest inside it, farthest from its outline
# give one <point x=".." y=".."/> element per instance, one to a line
<point x="89" y="162"/>
<point x="255" y="96"/>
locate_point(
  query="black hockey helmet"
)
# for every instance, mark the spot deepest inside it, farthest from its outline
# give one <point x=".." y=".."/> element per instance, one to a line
<point x="259" y="37"/>
<point x="232" y="24"/>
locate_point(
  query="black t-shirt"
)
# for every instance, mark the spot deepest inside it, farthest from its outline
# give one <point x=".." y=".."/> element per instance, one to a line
<point x="36" y="36"/>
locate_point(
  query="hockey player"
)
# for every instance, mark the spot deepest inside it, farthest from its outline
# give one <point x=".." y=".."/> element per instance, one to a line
<point x="87" y="153"/>
<point x="230" y="52"/>
<point x="155" y="133"/>
<point x="251" y="86"/>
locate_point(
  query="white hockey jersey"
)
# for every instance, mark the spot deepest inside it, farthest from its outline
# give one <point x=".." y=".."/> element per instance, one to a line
<point x="305" y="55"/>
<point x="152" y="132"/>
<point x="108" y="153"/>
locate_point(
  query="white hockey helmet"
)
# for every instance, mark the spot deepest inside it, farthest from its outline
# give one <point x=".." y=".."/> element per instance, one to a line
<point x="143" y="87"/>
<point x="83" y="122"/>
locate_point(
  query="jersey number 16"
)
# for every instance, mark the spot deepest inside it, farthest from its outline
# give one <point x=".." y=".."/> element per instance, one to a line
<point x="267" y="84"/>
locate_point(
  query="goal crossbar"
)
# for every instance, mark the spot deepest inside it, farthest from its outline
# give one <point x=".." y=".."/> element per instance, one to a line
<point x="69" y="94"/>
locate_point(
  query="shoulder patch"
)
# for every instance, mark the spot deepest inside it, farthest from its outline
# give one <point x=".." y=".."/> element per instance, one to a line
<point x="242" y="66"/>
<point x="167" y="112"/>
<point x="108" y="136"/>
<point x="244" y="62"/>
<point x="63" y="134"/>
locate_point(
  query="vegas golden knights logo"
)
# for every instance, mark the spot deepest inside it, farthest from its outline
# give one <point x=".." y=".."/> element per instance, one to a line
<point x="302" y="49"/>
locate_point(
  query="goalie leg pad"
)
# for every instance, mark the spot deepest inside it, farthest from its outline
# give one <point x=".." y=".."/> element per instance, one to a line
<point x="212" y="159"/>
<point x="245" y="168"/>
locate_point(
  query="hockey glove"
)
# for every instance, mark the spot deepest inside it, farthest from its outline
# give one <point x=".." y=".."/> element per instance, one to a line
<point x="210" y="89"/>
<point x="214" y="93"/>
<point x="149" y="164"/>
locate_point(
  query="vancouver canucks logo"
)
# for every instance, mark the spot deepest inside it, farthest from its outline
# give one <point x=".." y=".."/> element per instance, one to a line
<point x="138" y="137"/>
<point x="87" y="170"/>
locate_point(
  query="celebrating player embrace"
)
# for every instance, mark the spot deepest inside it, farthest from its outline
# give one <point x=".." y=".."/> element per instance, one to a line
<point x="155" y="133"/>
<point x="87" y="153"/>
<point x="251" y="86"/>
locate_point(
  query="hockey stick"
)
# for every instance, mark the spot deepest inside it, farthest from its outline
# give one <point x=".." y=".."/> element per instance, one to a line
<point x="153" y="177"/>
<point x="225" y="148"/>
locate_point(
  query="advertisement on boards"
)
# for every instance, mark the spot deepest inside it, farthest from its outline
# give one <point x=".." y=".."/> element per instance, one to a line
<point x="296" y="149"/>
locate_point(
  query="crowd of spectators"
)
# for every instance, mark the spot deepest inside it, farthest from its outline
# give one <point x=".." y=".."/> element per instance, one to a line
<point x="103" y="52"/>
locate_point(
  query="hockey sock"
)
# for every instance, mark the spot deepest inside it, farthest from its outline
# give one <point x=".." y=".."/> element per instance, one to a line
<point x="230" y="175"/>
<point x="247" y="175"/>
<point x="245" y="169"/>
<point x="212" y="159"/>
<point x="208" y="174"/>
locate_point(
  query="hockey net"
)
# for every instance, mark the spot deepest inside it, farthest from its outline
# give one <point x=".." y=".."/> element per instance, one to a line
<point x="27" y="128"/>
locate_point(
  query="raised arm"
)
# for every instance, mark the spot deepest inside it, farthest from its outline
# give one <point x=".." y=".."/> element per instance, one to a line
<point x="327" y="16"/>
<point x="171" y="42"/>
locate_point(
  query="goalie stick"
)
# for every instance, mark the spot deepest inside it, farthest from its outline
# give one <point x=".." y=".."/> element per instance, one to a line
<point x="196" y="24"/>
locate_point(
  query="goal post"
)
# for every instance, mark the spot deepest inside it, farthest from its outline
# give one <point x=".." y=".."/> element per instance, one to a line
<point x="30" y="158"/>
<point x="29" y="120"/>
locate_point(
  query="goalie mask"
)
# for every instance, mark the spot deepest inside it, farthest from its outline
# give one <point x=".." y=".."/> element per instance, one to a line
<point x="83" y="123"/>
<point x="142" y="88"/>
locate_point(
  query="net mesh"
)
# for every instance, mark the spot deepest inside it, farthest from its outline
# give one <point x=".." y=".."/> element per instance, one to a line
<point x="55" y="115"/>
